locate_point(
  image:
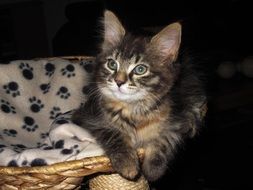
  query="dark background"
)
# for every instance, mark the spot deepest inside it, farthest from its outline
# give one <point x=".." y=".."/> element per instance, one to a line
<point x="214" y="31"/>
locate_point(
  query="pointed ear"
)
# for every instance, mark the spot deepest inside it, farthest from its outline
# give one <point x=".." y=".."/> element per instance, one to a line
<point x="167" y="42"/>
<point x="113" y="30"/>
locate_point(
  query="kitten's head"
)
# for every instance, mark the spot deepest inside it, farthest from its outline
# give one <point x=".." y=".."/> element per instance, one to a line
<point x="133" y="68"/>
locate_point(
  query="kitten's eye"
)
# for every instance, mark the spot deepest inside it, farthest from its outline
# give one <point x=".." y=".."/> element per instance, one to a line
<point x="140" y="69"/>
<point x="112" y="64"/>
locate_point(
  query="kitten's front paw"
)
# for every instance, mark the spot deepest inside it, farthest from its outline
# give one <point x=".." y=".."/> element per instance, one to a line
<point x="154" y="167"/>
<point x="126" y="164"/>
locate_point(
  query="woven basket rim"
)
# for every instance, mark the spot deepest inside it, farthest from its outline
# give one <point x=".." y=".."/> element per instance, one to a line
<point x="89" y="162"/>
<point x="96" y="164"/>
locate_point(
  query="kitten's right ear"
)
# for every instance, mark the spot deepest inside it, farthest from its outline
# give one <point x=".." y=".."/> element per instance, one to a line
<point x="113" y="30"/>
<point x="167" y="42"/>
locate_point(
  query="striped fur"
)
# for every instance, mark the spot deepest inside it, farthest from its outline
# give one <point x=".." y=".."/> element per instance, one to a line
<point x="153" y="110"/>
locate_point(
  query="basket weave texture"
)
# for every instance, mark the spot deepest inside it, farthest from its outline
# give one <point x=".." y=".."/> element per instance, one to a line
<point x="64" y="175"/>
<point x="67" y="175"/>
<point x="116" y="182"/>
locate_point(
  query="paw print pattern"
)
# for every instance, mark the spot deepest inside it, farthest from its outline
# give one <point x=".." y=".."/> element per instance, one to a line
<point x="55" y="112"/>
<point x="88" y="65"/>
<point x="59" y="144"/>
<point x="45" y="87"/>
<point x="24" y="163"/>
<point x="18" y="147"/>
<point x="13" y="163"/>
<point x="44" y="135"/>
<point x="68" y="71"/>
<point x="12" y="88"/>
<point x="30" y="124"/>
<point x="63" y="92"/>
<point x="72" y="150"/>
<point x="36" y="104"/>
<point x="50" y="69"/>
<point x="10" y="132"/>
<point x="27" y="71"/>
<point x="38" y="162"/>
<point x="6" y="107"/>
<point x="40" y="145"/>
<point x="2" y="148"/>
<point x="48" y="148"/>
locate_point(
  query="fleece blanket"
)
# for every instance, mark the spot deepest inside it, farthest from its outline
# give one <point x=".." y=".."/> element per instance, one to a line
<point x="37" y="98"/>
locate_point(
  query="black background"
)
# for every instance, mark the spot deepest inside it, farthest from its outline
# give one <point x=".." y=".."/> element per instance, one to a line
<point x="220" y="157"/>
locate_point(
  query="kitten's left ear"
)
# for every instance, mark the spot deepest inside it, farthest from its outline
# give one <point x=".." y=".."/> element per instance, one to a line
<point x="113" y="30"/>
<point x="167" y="42"/>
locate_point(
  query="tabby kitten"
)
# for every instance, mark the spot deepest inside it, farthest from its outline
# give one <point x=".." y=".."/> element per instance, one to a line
<point x="142" y="97"/>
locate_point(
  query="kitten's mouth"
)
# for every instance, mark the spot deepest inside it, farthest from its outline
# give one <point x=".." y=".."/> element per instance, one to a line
<point x="119" y="90"/>
<point x="123" y="95"/>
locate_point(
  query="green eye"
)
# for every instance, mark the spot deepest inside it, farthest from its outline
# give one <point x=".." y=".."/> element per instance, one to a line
<point x="112" y="64"/>
<point x="140" y="69"/>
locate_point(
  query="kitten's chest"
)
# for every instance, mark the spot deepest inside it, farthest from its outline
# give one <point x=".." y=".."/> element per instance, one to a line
<point x="139" y="125"/>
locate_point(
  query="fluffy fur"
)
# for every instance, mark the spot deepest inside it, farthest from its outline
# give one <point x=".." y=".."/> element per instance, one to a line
<point x="142" y="97"/>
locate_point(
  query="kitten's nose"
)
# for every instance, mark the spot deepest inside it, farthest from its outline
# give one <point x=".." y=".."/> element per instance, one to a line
<point x="119" y="82"/>
<point x="120" y="78"/>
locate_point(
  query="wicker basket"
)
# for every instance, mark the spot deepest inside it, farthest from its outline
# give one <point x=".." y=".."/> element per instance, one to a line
<point x="69" y="174"/>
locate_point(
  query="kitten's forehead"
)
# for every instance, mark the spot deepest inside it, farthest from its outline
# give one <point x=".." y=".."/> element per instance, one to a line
<point x="132" y="48"/>
<point x="133" y="59"/>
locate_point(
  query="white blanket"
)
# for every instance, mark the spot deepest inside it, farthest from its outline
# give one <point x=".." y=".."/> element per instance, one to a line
<point x="34" y="98"/>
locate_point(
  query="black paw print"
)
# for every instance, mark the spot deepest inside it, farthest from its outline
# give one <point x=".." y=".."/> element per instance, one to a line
<point x="63" y="92"/>
<point x="44" y="135"/>
<point x="48" y="148"/>
<point x="36" y="104"/>
<point x="12" y="88"/>
<point x="27" y="71"/>
<point x="6" y="107"/>
<point x="38" y="162"/>
<point x="40" y="145"/>
<point x="88" y="65"/>
<point x="45" y="87"/>
<point x="68" y="71"/>
<point x="58" y="144"/>
<point x="50" y="68"/>
<point x="2" y="148"/>
<point x="55" y="112"/>
<point x="13" y="163"/>
<point x="18" y="147"/>
<point x="30" y="124"/>
<point x="72" y="150"/>
<point x="24" y="163"/>
<point x="10" y="132"/>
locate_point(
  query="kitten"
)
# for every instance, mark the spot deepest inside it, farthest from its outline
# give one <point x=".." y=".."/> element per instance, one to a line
<point x="142" y="98"/>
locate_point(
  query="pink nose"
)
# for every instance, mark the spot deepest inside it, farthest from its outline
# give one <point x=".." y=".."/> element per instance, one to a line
<point x="119" y="82"/>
